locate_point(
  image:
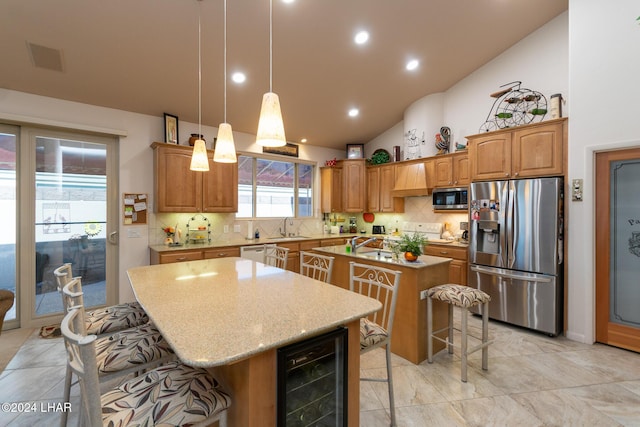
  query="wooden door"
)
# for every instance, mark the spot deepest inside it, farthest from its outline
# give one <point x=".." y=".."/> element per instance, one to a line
<point x="461" y="169"/>
<point x="220" y="187"/>
<point x="618" y="248"/>
<point x="373" y="189"/>
<point x="331" y="189"/>
<point x="177" y="188"/>
<point x="537" y="150"/>
<point x="354" y="186"/>
<point x="490" y="156"/>
<point x="388" y="203"/>
<point x="443" y="169"/>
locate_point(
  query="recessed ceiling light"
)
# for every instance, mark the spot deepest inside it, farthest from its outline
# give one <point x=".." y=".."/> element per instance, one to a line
<point x="238" y="77"/>
<point x="413" y="64"/>
<point x="303" y="140"/>
<point x="354" y="112"/>
<point x="288" y="1"/>
<point x="361" y="37"/>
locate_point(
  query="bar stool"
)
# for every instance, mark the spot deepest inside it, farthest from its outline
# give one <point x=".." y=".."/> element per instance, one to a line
<point x="465" y="298"/>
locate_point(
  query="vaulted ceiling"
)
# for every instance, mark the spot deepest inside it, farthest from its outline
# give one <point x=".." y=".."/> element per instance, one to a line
<point x="142" y="56"/>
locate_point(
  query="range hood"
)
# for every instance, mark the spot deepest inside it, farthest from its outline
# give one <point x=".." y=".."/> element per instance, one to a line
<point x="411" y="180"/>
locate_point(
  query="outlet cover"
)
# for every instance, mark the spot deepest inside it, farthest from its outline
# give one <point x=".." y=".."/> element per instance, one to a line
<point x="236" y="228"/>
<point x="226" y="228"/>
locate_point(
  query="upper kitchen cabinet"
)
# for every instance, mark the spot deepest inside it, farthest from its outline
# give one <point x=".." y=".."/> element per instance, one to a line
<point x="452" y="170"/>
<point x="179" y="189"/>
<point x="522" y="152"/>
<point x="380" y="181"/>
<point x="355" y="186"/>
<point x="331" y="189"/>
<point x="343" y="187"/>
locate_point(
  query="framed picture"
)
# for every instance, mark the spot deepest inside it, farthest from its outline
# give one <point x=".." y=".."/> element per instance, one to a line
<point x="355" y="151"/>
<point x="287" y="150"/>
<point x="170" y="129"/>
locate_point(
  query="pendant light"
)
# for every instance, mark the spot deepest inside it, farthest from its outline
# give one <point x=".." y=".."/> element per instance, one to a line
<point x="199" y="158"/>
<point x="270" y="125"/>
<point x="225" y="149"/>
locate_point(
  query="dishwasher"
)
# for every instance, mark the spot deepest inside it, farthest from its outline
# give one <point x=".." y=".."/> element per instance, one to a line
<point x="255" y="252"/>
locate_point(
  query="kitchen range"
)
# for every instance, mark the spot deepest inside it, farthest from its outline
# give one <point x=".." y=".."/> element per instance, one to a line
<point x="516" y="250"/>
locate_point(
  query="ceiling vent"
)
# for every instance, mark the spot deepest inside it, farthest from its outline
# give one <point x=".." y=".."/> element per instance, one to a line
<point x="45" y="57"/>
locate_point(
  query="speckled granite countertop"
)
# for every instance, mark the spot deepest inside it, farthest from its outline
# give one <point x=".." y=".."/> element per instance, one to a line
<point x="217" y="311"/>
<point x="371" y="254"/>
<point x="262" y="241"/>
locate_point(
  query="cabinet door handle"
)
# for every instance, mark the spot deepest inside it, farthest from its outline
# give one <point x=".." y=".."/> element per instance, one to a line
<point x="222" y="254"/>
<point x="184" y="258"/>
<point x="443" y="252"/>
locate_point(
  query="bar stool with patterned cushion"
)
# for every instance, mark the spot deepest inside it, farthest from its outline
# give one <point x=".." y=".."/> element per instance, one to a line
<point x="107" y="320"/>
<point x="465" y="298"/>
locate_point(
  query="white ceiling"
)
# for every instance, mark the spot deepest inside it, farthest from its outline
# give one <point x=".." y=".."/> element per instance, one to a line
<point x="142" y="56"/>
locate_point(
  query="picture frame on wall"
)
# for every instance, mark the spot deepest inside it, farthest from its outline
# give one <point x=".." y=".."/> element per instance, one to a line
<point x="170" y="129"/>
<point x="355" y="151"/>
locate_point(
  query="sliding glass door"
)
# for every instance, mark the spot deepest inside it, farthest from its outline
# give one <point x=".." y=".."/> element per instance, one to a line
<point x="8" y="207"/>
<point x="59" y="201"/>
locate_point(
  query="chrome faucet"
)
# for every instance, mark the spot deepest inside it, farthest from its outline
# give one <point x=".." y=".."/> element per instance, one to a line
<point x="355" y="245"/>
<point x="283" y="233"/>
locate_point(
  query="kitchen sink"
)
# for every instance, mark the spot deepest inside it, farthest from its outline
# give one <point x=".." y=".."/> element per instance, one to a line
<point x="377" y="254"/>
<point x="287" y="237"/>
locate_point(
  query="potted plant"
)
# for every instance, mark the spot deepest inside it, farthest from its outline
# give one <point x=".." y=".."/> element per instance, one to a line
<point x="412" y="245"/>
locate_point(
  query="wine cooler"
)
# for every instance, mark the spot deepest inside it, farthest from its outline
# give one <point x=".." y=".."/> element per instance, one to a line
<point x="312" y="382"/>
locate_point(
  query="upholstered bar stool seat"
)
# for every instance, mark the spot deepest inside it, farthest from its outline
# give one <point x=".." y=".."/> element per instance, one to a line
<point x="463" y="297"/>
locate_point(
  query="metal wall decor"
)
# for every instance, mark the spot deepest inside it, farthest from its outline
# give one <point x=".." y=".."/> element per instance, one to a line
<point x="514" y="106"/>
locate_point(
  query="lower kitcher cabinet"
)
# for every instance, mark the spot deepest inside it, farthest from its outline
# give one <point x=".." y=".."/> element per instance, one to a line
<point x="458" y="265"/>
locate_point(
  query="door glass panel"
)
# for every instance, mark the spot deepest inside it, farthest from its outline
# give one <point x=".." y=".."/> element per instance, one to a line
<point x="70" y="219"/>
<point x="8" y="209"/>
<point x="625" y="243"/>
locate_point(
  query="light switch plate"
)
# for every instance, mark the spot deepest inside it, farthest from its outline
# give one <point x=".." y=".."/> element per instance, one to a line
<point x="576" y="190"/>
<point x="133" y="233"/>
<point x="236" y="228"/>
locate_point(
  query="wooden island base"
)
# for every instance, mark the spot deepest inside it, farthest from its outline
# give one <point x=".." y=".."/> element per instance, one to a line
<point x="410" y="323"/>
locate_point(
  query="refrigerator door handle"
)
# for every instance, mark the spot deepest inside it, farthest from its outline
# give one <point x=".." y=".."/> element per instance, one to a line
<point x="493" y="272"/>
<point x="511" y="238"/>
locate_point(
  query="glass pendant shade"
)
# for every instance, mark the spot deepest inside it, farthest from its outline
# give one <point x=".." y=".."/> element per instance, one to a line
<point x="199" y="159"/>
<point x="270" y="125"/>
<point x="225" y="149"/>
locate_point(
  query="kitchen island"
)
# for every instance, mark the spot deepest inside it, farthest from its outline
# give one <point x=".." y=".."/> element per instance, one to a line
<point x="410" y="322"/>
<point x="232" y="314"/>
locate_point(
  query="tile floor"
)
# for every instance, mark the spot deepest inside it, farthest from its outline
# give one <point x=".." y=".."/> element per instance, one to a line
<point x="533" y="380"/>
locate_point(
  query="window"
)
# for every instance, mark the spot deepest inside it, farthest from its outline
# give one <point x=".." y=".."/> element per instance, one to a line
<point x="274" y="188"/>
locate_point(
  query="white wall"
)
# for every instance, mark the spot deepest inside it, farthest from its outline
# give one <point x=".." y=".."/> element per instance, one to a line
<point x="136" y="158"/>
<point x="604" y="66"/>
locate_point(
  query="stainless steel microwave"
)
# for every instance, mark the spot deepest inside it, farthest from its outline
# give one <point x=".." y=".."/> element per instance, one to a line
<point x="450" y="198"/>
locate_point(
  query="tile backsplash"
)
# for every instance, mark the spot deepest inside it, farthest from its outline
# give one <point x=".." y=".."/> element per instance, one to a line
<point x="417" y="209"/>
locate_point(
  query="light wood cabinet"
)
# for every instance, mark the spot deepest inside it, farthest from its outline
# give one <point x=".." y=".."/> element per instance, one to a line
<point x="380" y="182"/>
<point x="458" y="265"/>
<point x="522" y="152"/>
<point x="343" y="187"/>
<point x="179" y="189"/>
<point x="177" y="256"/>
<point x="331" y="189"/>
<point x="221" y="252"/>
<point x="451" y="170"/>
<point x="354" y="185"/>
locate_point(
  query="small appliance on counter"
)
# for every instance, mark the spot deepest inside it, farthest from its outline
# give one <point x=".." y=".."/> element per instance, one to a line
<point x="464" y="226"/>
<point x="353" y="227"/>
<point x="378" y="229"/>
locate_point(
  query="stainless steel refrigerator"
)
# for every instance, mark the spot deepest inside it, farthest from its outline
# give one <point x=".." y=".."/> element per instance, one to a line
<point x="516" y="250"/>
